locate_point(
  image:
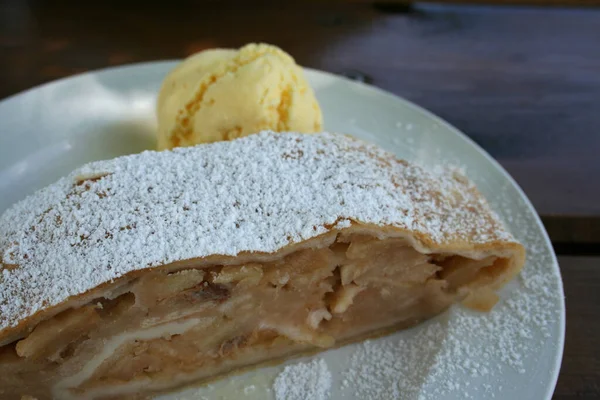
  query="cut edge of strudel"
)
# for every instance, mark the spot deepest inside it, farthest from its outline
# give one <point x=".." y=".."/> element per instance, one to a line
<point x="147" y="272"/>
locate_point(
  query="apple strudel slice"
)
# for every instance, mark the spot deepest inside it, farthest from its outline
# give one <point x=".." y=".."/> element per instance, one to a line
<point x="147" y="272"/>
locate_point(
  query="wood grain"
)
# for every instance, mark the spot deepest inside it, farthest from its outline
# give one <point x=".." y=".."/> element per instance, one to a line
<point x="574" y="230"/>
<point x="522" y="82"/>
<point x="580" y="373"/>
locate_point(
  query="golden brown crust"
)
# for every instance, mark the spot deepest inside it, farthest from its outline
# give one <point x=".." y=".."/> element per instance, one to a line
<point x="78" y="239"/>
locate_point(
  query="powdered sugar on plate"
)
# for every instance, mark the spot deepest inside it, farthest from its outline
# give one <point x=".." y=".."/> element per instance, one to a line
<point x="301" y="381"/>
<point x="465" y="354"/>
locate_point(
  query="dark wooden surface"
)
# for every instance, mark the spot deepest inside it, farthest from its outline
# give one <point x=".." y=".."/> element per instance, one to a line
<point x="524" y="83"/>
<point x="580" y="373"/>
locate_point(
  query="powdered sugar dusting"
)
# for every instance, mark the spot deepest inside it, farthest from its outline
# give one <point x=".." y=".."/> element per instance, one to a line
<point x="301" y="381"/>
<point x="256" y="194"/>
<point x="464" y="354"/>
<point x="467" y="355"/>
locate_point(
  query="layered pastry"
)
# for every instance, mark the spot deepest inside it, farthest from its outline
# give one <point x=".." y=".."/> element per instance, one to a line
<point x="147" y="272"/>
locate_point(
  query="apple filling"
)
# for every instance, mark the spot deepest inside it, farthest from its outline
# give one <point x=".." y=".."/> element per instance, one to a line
<point x="188" y="323"/>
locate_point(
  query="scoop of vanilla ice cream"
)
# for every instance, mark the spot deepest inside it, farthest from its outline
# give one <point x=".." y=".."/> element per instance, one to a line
<point x="224" y="94"/>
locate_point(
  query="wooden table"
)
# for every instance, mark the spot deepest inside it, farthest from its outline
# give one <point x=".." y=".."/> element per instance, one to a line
<point x="524" y="83"/>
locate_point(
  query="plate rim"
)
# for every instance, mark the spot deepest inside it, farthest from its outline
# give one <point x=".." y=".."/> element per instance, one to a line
<point x="529" y="205"/>
<point x="558" y="357"/>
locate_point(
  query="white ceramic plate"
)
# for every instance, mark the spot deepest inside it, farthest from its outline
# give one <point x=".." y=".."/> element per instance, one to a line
<point x="512" y="353"/>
